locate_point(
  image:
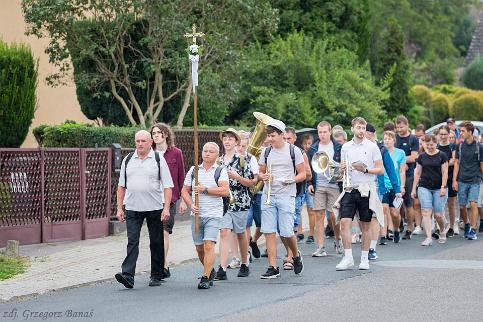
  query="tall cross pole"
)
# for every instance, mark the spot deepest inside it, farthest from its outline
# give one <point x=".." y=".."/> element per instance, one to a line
<point x="194" y="59"/>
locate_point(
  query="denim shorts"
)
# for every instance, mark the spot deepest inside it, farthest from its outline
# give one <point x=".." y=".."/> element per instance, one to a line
<point x="209" y="229"/>
<point x="430" y="199"/>
<point x="255" y="211"/>
<point x="299" y="201"/>
<point x="235" y="220"/>
<point x="309" y="199"/>
<point x="468" y="192"/>
<point x="279" y="215"/>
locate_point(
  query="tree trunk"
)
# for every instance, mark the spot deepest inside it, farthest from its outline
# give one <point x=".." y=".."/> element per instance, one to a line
<point x="186" y="104"/>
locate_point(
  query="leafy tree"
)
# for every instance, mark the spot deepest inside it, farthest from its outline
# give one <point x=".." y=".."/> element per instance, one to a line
<point x="18" y="83"/>
<point x="138" y="46"/>
<point x="468" y="107"/>
<point x="473" y="76"/>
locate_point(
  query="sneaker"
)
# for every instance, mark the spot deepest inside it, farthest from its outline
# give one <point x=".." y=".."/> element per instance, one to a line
<point x="345" y="263"/>
<point x="235" y="263"/>
<point x="364" y="265"/>
<point x="427" y="242"/>
<point x="467" y="230"/>
<point x="271" y="273"/>
<point x="204" y="283"/>
<point x="390" y="235"/>
<point x="244" y="271"/>
<point x="417" y="230"/>
<point x="300" y="237"/>
<point x="298" y="263"/>
<point x="480" y="230"/>
<point x="212" y="276"/>
<point x="397" y="237"/>
<point x="435" y="234"/>
<point x="320" y="252"/>
<point x="372" y="255"/>
<point x="155" y="281"/>
<point x="382" y="240"/>
<point x="338" y="247"/>
<point x="166" y="273"/>
<point x="450" y="233"/>
<point x="356" y="238"/>
<point x="472" y="235"/>
<point x="329" y="233"/>
<point x="255" y="249"/>
<point x="310" y="240"/>
<point x="407" y="235"/>
<point x="124" y="280"/>
<point x="265" y="253"/>
<point x="442" y="239"/>
<point x="221" y="274"/>
<point x="456" y="228"/>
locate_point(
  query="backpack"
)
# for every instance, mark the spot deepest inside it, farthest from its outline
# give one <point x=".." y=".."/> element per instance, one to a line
<point x="128" y="158"/>
<point x="226" y="200"/>
<point x="301" y="185"/>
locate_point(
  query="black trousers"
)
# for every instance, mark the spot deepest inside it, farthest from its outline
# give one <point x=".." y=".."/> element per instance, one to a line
<point x="134" y="223"/>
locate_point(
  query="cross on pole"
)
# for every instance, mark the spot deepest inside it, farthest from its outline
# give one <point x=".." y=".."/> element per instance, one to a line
<point x="194" y="34"/>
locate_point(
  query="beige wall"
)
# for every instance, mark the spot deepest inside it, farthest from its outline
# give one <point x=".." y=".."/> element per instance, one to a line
<point x="54" y="105"/>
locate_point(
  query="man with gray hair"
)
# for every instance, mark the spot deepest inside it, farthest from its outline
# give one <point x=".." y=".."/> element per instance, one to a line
<point x="144" y="191"/>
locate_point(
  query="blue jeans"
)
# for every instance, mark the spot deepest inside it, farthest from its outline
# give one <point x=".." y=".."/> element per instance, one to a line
<point x="468" y="192"/>
<point x="279" y="215"/>
<point x="299" y="201"/>
<point x="430" y="199"/>
<point x="255" y="211"/>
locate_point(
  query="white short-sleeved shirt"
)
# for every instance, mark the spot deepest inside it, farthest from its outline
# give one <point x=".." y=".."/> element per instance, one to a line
<point x="210" y="206"/>
<point x="282" y="167"/>
<point x="145" y="192"/>
<point x="254" y="165"/>
<point x="367" y="152"/>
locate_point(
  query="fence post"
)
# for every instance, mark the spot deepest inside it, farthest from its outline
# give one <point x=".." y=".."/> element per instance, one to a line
<point x="82" y="203"/>
<point x="42" y="194"/>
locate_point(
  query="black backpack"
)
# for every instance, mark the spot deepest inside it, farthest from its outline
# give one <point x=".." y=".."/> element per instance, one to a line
<point x="301" y="185"/>
<point x="128" y="158"/>
<point x="226" y="200"/>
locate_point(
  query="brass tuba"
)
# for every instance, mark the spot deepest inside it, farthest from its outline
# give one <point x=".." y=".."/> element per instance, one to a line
<point x="256" y="140"/>
<point x="321" y="162"/>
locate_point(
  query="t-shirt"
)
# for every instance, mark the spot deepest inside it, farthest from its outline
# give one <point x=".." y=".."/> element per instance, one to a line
<point x="431" y="175"/>
<point x="210" y="206"/>
<point x="282" y="167"/>
<point x="322" y="180"/>
<point x="448" y="150"/>
<point x="240" y="192"/>
<point x="366" y="152"/>
<point x="398" y="157"/>
<point x="408" y="144"/>
<point x="469" y="165"/>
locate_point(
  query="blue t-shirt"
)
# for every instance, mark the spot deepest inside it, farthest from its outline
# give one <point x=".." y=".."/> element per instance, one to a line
<point x="398" y="157"/>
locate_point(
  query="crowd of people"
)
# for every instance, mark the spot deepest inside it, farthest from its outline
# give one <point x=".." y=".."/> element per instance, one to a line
<point x="374" y="190"/>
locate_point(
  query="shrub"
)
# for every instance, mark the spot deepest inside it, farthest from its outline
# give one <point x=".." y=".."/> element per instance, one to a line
<point x="441" y="106"/>
<point x="473" y="76"/>
<point x="468" y="107"/>
<point x="18" y="82"/>
<point x="421" y="95"/>
<point x="417" y="114"/>
<point x="461" y="91"/>
<point x="448" y="90"/>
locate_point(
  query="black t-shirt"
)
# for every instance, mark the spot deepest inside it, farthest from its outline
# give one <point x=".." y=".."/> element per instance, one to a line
<point x="448" y="150"/>
<point x="469" y="162"/>
<point x="408" y="144"/>
<point x="431" y="175"/>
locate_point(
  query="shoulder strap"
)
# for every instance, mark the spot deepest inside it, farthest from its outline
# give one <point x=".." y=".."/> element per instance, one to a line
<point x="267" y="152"/>
<point x="128" y="158"/>
<point x="292" y="155"/>
<point x="158" y="160"/>
<point x="459" y="153"/>
<point x="218" y="173"/>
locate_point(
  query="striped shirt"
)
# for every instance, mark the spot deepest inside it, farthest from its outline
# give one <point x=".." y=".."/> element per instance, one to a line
<point x="210" y="206"/>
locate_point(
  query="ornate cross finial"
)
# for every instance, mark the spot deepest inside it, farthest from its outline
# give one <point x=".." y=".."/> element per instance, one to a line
<point x="194" y="34"/>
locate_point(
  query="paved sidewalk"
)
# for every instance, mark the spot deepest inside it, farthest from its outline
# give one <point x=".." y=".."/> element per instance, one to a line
<point x="60" y="265"/>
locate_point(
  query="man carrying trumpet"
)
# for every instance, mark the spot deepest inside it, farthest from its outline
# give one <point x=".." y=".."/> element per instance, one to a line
<point x="281" y="167"/>
<point x="361" y="163"/>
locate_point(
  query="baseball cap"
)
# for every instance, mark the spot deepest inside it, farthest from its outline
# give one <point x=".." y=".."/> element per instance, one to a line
<point x="370" y="128"/>
<point x="277" y="124"/>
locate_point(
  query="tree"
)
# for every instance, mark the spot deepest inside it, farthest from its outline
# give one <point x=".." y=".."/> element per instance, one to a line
<point x="18" y="83"/>
<point x="147" y="36"/>
<point x="473" y="76"/>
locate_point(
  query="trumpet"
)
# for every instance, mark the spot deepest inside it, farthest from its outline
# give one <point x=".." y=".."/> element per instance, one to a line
<point x="269" y="186"/>
<point x="346" y="182"/>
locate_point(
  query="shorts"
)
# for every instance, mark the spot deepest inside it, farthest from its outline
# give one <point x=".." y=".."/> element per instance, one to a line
<point x="235" y="220"/>
<point x="352" y="202"/>
<point x="408" y="201"/>
<point x="325" y="198"/>
<point x="279" y="215"/>
<point x="430" y="199"/>
<point x="449" y="188"/>
<point x="299" y="201"/>
<point x="468" y="192"/>
<point x="480" y="196"/>
<point x="209" y="229"/>
<point x="388" y="198"/>
<point x="309" y="200"/>
<point x="169" y="224"/>
<point x="255" y="211"/>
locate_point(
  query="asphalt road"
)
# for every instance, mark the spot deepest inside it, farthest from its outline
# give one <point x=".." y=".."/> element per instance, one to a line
<point x="437" y="283"/>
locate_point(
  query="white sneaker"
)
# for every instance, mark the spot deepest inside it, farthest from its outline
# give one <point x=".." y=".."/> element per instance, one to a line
<point x="320" y="252"/>
<point x="456" y="228"/>
<point x="345" y="263"/>
<point x="417" y="230"/>
<point x="355" y="238"/>
<point x="364" y="266"/>
<point x="235" y="263"/>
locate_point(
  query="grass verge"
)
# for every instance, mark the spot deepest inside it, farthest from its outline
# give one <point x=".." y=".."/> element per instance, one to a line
<point x="10" y="267"/>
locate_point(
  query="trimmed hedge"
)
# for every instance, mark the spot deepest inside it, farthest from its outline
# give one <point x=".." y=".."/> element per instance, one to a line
<point x="441" y="106"/>
<point x="468" y="107"/>
<point x="421" y="95"/>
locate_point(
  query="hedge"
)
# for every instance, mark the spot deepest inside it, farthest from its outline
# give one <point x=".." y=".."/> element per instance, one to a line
<point x="441" y="106"/>
<point x="468" y="107"/>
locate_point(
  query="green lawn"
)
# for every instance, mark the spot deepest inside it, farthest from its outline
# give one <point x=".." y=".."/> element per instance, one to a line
<point x="10" y="267"/>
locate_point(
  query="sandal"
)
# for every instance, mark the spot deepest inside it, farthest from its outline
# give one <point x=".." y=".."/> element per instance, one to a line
<point x="287" y="265"/>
